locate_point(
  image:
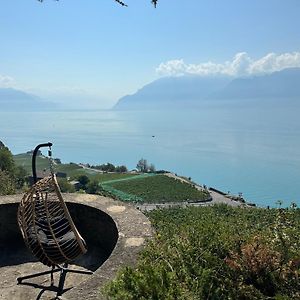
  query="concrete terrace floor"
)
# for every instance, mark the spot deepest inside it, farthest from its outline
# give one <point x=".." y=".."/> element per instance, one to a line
<point x="133" y="229"/>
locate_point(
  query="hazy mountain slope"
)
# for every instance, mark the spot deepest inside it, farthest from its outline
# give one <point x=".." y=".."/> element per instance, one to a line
<point x="16" y="100"/>
<point x="172" y="91"/>
<point x="282" y="84"/>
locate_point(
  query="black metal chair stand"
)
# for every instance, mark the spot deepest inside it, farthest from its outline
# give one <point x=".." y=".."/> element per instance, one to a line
<point x="63" y="273"/>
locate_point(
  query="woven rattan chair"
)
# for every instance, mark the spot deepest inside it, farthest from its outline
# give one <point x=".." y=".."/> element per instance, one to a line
<point x="47" y="227"/>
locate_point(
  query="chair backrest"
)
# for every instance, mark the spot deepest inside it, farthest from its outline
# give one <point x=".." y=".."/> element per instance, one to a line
<point x="46" y="225"/>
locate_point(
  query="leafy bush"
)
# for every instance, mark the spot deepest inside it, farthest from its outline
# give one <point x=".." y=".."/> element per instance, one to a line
<point x="12" y="177"/>
<point x="93" y="187"/>
<point x="216" y="253"/>
<point x="83" y="180"/>
<point x="20" y="176"/>
<point x="6" y="161"/>
<point x="65" y="186"/>
<point x="7" y="184"/>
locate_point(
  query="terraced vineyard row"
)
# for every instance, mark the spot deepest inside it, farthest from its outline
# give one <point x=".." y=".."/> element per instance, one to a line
<point x="157" y="189"/>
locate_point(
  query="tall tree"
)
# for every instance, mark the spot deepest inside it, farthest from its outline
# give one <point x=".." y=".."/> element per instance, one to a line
<point x="7" y="163"/>
<point x="151" y="168"/>
<point x="83" y="180"/>
<point x="142" y="165"/>
<point x="7" y="185"/>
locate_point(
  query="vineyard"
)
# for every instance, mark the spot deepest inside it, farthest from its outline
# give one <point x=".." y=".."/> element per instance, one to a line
<point x="216" y="252"/>
<point x="157" y="189"/>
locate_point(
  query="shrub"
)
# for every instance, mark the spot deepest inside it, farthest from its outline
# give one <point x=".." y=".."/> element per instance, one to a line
<point x="20" y="176"/>
<point x="7" y="184"/>
<point x="216" y="252"/>
<point x="93" y="187"/>
<point x="83" y="180"/>
<point x="65" y="186"/>
<point x="6" y="161"/>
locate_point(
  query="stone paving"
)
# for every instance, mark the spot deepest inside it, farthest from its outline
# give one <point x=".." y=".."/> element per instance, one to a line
<point x="133" y="231"/>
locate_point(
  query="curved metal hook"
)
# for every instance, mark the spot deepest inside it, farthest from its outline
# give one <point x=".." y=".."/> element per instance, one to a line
<point x="34" y="158"/>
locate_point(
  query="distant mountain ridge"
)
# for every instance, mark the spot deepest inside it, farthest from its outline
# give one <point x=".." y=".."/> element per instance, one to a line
<point x="16" y="100"/>
<point x="174" y="91"/>
<point x="281" y="84"/>
<point x="184" y="91"/>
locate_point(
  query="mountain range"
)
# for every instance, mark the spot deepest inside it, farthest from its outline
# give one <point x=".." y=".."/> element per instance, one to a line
<point x="16" y="100"/>
<point x="186" y="91"/>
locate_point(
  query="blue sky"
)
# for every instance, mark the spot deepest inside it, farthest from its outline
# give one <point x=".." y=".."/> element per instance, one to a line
<point x="95" y="51"/>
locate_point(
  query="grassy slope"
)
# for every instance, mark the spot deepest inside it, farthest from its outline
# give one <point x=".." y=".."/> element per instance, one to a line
<point x="127" y="187"/>
<point x="24" y="160"/>
<point x="112" y="176"/>
<point x="216" y="252"/>
<point x="159" y="188"/>
<point x="72" y="170"/>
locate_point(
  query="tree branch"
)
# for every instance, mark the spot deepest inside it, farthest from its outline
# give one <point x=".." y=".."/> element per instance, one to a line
<point x="154" y="2"/>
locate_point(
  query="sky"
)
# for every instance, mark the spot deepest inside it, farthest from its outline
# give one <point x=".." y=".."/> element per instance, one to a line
<point x="92" y="52"/>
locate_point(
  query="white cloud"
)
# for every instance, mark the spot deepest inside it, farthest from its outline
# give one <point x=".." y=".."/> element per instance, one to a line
<point x="6" y="81"/>
<point x="241" y="64"/>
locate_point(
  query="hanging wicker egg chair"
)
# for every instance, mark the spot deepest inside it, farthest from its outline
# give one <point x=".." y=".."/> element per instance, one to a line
<point x="47" y="227"/>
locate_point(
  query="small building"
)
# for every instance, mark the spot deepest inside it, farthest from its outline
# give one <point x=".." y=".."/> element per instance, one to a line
<point x="61" y="175"/>
<point x="76" y="184"/>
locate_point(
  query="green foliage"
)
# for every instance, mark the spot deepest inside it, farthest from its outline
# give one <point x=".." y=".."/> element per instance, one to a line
<point x="7" y="184"/>
<point x="12" y="177"/>
<point x="110" y="168"/>
<point x="143" y="166"/>
<point x="121" y="169"/>
<point x="117" y="194"/>
<point x="24" y="160"/>
<point x="20" y="175"/>
<point x="107" y="167"/>
<point x="65" y="186"/>
<point x="72" y="169"/>
<point x="115" y="177"/>
<point x="83" y="180"/>
<point x="93" y="187"/>
<point x="6" y="161"/>
<point x="81" y="191"/>
<point x="159" y="188"/>
<point x="216" y="252"/>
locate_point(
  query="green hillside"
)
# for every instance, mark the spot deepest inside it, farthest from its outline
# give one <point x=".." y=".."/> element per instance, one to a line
<point x="217" y="252"/>
<point x="24" y="160"/>
<point x="72" y="170"/>
<point x="149" y="188"/>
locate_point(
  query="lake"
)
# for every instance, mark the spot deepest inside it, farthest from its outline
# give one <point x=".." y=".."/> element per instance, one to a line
<point x="247" y="146"/>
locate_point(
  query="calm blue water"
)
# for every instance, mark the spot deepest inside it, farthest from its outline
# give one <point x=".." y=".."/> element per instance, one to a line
<point x="250" y="147"/>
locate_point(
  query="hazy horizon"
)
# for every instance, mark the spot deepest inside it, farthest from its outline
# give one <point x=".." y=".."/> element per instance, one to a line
<point x="97" y="51"/>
